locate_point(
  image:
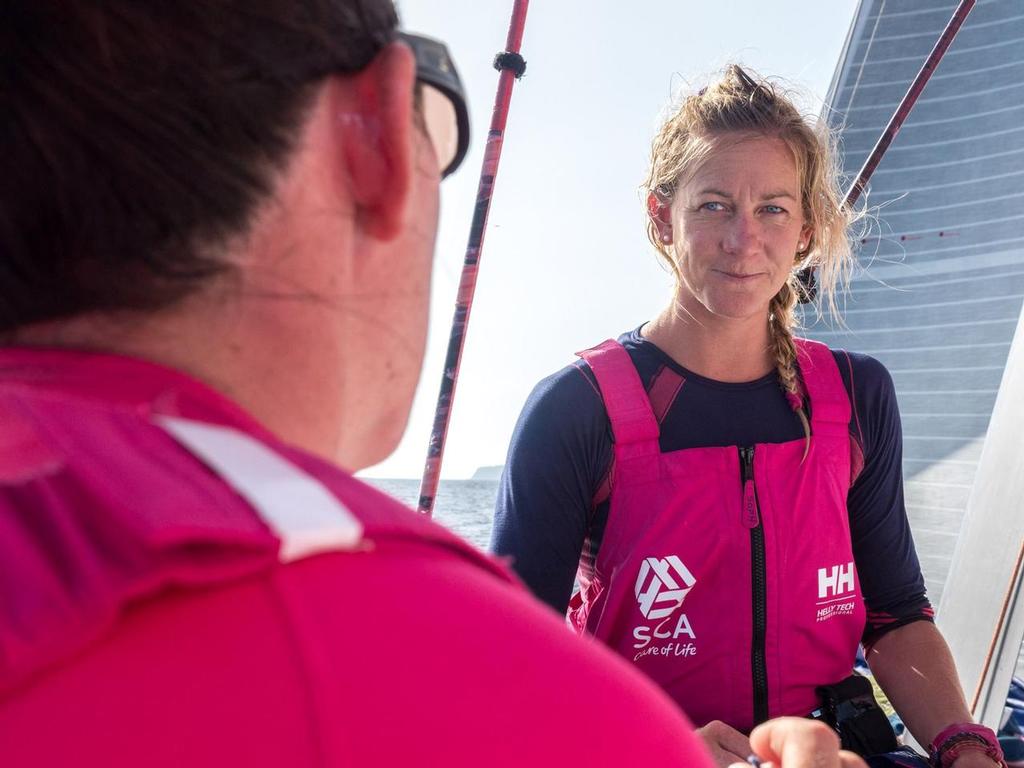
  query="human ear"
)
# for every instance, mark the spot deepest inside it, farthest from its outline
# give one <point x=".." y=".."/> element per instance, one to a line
<point x="377" y="135"/>
<point x="659" y="208"/>
<point x="805" y="241"/>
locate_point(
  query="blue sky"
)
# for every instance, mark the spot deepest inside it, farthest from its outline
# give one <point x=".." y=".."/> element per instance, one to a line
<point x="565" y="262"/>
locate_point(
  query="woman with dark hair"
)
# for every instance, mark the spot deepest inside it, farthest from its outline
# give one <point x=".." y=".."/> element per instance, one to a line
<point x="216" y="231"/>
<point x="729" y="495"/>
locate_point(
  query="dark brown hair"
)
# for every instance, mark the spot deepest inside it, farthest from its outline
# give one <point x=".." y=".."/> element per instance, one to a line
<point x="139" y="136"/>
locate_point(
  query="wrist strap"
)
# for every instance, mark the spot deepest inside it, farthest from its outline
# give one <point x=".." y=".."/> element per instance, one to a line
<point x="958" y="738"/>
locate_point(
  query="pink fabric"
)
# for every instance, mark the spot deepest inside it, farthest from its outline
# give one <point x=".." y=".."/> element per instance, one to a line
<point x="145" y="618"/>
<point x="663" y="391"/>
<point x="624" y="395"/>
<point x="672" y="590"/>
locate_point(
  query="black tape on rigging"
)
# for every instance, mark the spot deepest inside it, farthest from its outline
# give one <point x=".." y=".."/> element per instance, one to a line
<point x="511" y="61"/>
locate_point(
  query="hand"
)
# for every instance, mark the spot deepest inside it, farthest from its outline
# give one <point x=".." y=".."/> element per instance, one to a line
<point x="793" y="742"/>
<point x="725" y="743"/>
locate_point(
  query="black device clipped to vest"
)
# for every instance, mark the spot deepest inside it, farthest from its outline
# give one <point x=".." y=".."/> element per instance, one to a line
<point x="849" y="706"/>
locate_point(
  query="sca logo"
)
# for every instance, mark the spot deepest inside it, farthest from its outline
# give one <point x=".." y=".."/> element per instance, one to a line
<point x="661" y="587"/>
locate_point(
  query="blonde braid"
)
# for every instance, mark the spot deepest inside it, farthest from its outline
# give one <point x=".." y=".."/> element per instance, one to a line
<point x="780" y="324"/>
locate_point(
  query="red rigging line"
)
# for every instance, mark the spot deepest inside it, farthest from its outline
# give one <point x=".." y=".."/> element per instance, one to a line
<point x="511" y="66"/>
<point x="895" y="123"/>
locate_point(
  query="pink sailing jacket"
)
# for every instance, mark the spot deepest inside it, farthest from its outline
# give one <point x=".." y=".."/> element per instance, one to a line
<point x="179" y="588"/>
<point x="727" y="574"/>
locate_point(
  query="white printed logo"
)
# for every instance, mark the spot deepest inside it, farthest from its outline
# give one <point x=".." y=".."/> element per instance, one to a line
<point x="835" y="582"/>
<point x="662" y="585"/>
<point x="836" y="592"/>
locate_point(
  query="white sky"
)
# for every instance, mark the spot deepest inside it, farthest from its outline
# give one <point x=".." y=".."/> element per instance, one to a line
<point x="566" y="263"/>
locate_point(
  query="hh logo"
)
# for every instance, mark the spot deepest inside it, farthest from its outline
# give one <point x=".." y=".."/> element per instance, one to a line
<point x="835" y="581"/>
<point x="661" y="586"/>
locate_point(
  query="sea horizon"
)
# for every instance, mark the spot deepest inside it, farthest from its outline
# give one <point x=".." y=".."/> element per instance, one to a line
<point x="465" y="507"/>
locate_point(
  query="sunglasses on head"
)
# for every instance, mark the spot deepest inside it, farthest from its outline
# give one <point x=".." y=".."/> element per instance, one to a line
<point x="443" y="100"/>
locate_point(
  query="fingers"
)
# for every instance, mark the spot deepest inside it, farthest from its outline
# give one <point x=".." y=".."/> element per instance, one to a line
<point x="787" y="742"/>
<point x="726" y="744"/>
<point x="791" y="742"/>
<point x="846" y="760"/>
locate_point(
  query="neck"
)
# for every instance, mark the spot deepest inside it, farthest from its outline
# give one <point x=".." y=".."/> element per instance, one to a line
<point x="719" y="348"/>
<point x="229" y="343"/>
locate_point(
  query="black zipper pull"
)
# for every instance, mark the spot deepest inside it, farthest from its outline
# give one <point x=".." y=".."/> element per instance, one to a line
<point x="751" y="516"/>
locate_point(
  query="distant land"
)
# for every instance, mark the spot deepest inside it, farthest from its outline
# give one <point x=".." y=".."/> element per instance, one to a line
<point x="488" y="473"/>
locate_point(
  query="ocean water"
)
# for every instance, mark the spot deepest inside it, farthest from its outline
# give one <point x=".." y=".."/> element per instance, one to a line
<point x="463" y="506"/>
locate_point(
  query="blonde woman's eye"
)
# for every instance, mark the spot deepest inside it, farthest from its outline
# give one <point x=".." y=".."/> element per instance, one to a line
<point x="712" y="205"/>
<point x="774" y="209"/>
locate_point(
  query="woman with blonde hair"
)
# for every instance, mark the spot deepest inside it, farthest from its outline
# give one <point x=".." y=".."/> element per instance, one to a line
<point x="731" y="495"/>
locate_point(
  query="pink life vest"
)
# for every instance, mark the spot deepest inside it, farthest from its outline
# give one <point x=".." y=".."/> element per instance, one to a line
<point x="727" y="574"/>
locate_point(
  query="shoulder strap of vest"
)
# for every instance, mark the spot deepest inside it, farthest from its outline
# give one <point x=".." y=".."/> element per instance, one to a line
<point x="625" y="400"/>
<point x="821" y="377"/>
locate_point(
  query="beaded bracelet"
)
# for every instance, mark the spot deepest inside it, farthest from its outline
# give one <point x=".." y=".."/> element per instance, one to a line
<point x="953" y="741"/>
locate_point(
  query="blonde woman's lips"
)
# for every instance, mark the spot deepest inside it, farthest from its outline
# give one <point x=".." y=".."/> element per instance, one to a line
<point x="739" y="277"/>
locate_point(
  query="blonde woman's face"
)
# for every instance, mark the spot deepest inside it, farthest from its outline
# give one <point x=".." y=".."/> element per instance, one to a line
<point x="736" y="226"/>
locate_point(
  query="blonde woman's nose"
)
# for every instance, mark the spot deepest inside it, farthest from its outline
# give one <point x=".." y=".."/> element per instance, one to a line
<point x="742" y="234"/>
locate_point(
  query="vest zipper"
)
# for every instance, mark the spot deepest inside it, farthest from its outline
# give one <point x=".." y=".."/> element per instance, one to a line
<point x="752" y="520"/>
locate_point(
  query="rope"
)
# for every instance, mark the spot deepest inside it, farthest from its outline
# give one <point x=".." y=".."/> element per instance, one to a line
<point x="1010" y="589"/>
<point x="867" y="52"/>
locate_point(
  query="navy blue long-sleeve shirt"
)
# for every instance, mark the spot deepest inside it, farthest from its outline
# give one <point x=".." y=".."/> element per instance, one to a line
<point x="552" y="503"/>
